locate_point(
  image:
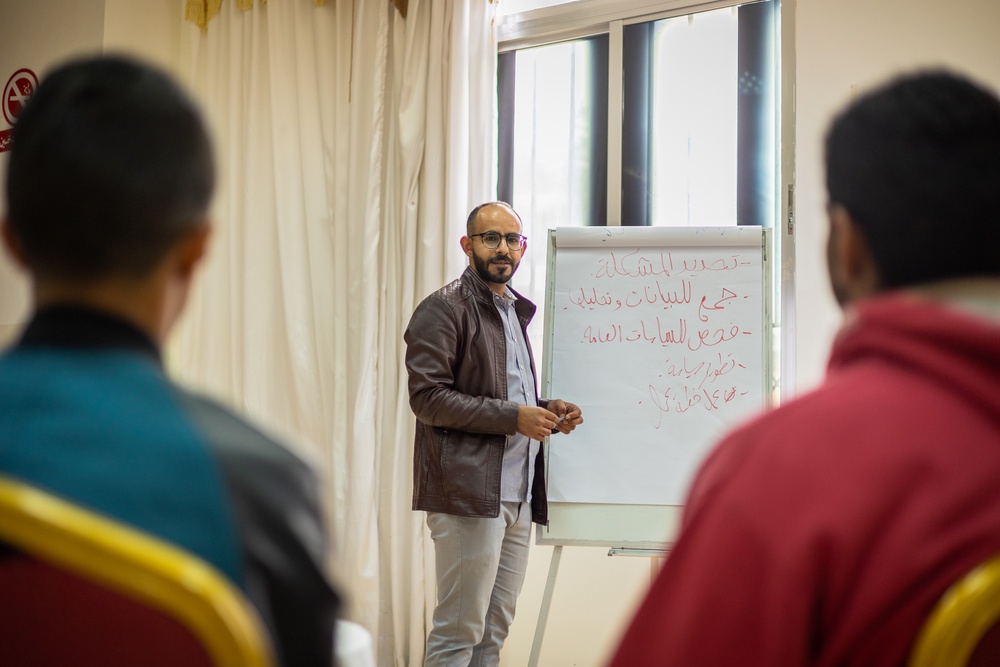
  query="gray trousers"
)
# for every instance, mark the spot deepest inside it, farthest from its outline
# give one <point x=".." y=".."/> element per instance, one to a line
<point x="480" y="567"/>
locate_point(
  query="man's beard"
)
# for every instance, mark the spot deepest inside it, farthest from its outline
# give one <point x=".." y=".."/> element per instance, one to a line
<point x="492" y="273"/>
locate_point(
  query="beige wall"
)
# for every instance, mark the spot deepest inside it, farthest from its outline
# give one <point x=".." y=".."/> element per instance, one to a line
<point x="861" y="42"/>
<point x="593" y="600"/>
<point x="42" y="33"/>
<point x="36" y="35"/>
<point x="150" y="29"/>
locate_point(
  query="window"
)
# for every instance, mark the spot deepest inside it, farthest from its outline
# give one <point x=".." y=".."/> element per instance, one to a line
<point x="694" y="143"/>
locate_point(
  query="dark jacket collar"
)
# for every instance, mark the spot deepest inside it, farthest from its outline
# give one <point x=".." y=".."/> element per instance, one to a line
<point x="69" y="326"/>
<point x="476" y="284"/>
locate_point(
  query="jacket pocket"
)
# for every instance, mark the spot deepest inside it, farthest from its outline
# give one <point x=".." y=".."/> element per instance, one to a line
<point x="468" y="466"/>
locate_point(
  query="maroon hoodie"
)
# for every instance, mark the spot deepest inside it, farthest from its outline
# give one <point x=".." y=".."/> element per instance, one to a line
<point x="823" y="532"/>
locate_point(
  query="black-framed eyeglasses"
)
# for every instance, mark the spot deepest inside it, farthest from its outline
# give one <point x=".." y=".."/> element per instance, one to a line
<point x="492" y="240"/>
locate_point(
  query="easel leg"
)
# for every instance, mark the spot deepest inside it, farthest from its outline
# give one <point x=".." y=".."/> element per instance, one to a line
<point x="543" y="613"/>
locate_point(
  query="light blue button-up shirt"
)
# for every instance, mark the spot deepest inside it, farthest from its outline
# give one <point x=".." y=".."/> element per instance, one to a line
<point x="518" y="460"/>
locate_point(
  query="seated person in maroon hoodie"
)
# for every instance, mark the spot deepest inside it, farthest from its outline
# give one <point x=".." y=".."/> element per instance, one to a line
<point x="824" y="532"/>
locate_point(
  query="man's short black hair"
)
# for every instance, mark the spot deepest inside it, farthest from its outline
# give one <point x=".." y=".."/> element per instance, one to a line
<point x="110" y="164"/>
<point x="917" y="165"/>
<point x="470" y="223"/>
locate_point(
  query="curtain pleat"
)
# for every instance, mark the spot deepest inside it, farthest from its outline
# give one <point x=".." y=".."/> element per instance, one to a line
<point x="351" y="144"/>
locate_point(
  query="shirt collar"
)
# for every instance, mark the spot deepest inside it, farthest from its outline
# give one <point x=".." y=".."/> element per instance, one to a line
<point x="506" y="298"/>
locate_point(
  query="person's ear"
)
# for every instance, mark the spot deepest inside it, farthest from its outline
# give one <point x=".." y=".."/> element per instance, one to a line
<point x="191" y="249"/>
<point x="180" y="265"/>
<point x="12" y="244"/>
<point x="853" y="272"/>
<point x="466" y="245"/>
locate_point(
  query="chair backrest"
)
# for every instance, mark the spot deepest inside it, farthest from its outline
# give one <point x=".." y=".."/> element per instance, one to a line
<point x="963" y="629"/>
<point x="77" y="588"/>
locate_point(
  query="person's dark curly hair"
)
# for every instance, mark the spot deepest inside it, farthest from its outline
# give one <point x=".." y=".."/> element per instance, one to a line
<point x="110" y="164"/>
<point x="917" y="165"/>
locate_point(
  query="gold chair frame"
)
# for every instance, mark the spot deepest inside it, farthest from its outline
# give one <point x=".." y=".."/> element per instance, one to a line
<point x="138" y="566"/>
<point x="960" y="620"/>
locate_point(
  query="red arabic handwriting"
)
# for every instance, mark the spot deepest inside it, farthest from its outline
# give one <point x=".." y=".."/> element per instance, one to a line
<point x="707" y="371"/>
<point x="666" y="401"/>
<point x="635" y="265"/>
<point x="659" y="332"/>
<point x="727" y="295"/>
<point x="650" y="295"/>
<point x="655" y="333"/>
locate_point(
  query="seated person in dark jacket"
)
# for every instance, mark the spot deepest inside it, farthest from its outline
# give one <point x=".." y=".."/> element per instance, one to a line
<point x="108" y="185"/>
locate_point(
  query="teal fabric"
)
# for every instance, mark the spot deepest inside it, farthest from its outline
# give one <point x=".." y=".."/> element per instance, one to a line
<point x="102" y="428"/>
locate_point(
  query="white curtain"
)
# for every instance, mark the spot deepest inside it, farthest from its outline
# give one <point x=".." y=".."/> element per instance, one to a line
<point x="351" y="145"/>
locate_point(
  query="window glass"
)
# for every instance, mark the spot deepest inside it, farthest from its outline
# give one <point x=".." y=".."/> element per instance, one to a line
<point x="692" y="135"/>
<point x="556" y="173"/>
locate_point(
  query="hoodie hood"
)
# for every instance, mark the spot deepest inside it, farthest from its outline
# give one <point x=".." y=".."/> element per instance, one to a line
<point x="929" y="337"/>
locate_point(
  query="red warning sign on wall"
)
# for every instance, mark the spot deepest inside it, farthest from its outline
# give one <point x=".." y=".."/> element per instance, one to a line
<point x="20" y="86"/>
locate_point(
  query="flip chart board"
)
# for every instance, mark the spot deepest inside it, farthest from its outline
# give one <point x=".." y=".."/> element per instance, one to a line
<point x="662" y="336"/>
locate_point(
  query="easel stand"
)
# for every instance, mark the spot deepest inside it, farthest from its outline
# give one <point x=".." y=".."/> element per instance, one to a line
<point x="550" y="585"/>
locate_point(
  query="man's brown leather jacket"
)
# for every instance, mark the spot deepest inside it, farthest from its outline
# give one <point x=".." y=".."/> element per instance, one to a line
<point x="456" y="360"/>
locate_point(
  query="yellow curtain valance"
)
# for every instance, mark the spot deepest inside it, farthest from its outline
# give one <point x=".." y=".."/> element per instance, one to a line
<point x="203" y="11"/>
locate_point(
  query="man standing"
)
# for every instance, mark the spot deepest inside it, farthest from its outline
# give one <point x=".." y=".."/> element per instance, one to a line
<point x="477" y="465"/>
<point x="824" y="532"/>
<point x="108" y="186"/>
